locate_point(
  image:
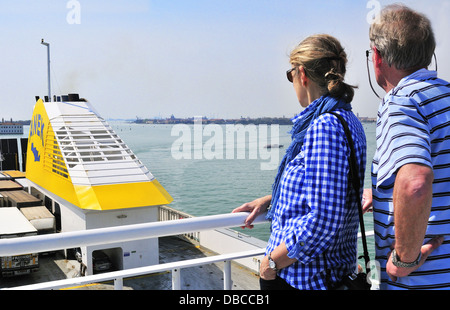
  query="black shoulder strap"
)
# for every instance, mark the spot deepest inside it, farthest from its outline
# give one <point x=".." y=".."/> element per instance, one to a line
<point x="356" y="185"/>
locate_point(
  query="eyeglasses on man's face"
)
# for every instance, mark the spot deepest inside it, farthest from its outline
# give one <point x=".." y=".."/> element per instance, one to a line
<point x="369" y="56"/>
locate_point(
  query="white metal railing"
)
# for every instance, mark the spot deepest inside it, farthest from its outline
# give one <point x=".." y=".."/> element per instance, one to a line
<point x="66" y="240"/>
<point x="175" y="267"/>
<point x="167" y="213"/>
<point x="74" y="239"/>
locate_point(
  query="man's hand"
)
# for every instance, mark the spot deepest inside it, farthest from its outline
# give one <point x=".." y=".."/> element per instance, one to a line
<point x="367" y="200"/>
<point x="398" y="272"/>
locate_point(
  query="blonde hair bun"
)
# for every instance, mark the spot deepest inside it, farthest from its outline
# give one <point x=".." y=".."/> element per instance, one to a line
<point x="324" y="61"/>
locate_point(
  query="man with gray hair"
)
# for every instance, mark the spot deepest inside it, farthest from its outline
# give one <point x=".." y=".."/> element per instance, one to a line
<point x="411" y="166"/>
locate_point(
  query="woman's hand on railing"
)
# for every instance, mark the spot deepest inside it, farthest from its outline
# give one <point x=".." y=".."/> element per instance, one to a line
<point x="255" y="207"/>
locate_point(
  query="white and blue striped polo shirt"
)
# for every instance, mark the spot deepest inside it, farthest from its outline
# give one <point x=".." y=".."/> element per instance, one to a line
<point x="413" y="126"/>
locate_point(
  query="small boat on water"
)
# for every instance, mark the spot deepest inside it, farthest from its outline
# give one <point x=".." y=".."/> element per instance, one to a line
<point x="273" y="146"/>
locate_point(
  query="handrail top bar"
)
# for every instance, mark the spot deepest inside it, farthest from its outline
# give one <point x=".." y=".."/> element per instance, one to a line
<point x="74" y="239"/>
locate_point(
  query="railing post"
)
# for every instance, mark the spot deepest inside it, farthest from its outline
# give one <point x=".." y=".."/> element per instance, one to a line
<point x="176" y="279"/>
<point x="227" y="282"/>
<point x="118" y="284"/>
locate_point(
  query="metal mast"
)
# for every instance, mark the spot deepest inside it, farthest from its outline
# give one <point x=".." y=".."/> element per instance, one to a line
<point x="48" y="68"/>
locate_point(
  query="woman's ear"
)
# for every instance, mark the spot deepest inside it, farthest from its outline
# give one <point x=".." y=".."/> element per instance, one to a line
<point x="302" y="76"/>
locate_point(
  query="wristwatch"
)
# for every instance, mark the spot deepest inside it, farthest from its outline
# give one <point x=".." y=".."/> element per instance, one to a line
<point x="398" y="263"/>
<point x="272" y="264"/>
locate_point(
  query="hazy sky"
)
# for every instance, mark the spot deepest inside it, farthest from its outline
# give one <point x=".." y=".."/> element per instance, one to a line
<point x="189" y="58"/>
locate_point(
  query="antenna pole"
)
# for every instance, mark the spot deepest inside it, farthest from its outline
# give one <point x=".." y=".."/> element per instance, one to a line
<point x="48" y="68"/>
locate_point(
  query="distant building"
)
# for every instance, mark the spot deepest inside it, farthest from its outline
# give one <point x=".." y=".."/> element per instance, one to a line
<point x="11" y="128"/>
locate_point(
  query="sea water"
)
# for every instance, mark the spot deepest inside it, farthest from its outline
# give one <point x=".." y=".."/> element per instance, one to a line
<point x="214" y="186"/>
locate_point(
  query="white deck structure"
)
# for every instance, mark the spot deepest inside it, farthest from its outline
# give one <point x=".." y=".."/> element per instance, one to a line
<point x="93" y="179"/>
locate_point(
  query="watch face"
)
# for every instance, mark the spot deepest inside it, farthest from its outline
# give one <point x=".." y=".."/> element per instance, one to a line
<point x="272" y="264"/>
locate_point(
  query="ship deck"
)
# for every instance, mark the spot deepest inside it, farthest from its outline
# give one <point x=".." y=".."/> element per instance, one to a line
<point x="171" y="249"/>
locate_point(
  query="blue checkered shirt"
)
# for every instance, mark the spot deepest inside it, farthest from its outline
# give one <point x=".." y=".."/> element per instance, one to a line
<point x="316" y="215"/>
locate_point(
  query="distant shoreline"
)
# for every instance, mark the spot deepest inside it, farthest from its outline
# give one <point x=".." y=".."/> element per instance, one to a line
<point x="243" y="121"/>
<point x="190" y="120"/>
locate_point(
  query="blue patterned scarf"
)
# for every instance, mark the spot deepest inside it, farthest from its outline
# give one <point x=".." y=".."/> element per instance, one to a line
<point x="319" y="106"/>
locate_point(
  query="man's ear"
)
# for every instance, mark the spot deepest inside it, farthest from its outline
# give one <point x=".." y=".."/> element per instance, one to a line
<point x="377" y="59"/>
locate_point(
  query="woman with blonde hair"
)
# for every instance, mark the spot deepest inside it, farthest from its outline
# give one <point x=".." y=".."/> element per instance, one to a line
<point x="313" y="208"/>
